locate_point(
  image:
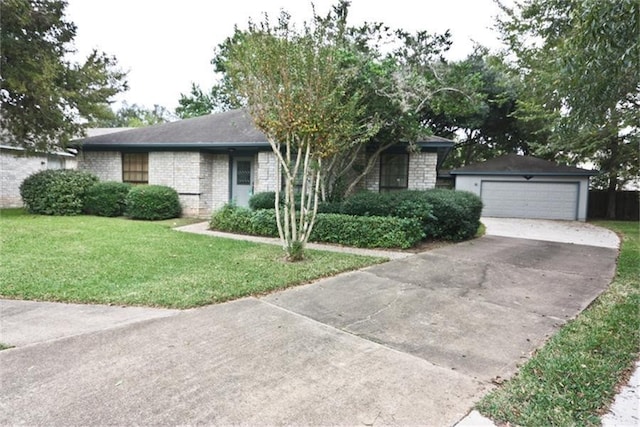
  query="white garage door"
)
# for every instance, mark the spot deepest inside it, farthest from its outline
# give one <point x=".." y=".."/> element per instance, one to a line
<point x="545" y="200"/>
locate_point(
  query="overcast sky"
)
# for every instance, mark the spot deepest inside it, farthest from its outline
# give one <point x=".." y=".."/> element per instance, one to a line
<point x="167" y="44"/>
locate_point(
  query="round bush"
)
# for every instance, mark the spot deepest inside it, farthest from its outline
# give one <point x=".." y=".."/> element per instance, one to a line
<point x="264" y="200"/>
<point x="56" y="191"/>
<point x="152" y="202"/>
<point x="106" y="198"/>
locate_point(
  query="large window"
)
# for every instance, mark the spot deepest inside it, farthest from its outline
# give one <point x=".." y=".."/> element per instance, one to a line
<point x="135" y="168"/>
<point x="394" y="171"/>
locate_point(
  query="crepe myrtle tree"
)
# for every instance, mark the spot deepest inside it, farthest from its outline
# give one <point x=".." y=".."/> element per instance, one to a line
<point x="296" y="90"/>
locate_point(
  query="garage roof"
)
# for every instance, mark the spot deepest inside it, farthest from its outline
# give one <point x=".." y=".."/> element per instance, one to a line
<point x="514" y="164"/>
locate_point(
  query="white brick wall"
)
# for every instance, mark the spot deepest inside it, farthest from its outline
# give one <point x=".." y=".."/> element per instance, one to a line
<point x="266" y="169"/>
<point x="219" y="180"/>
<point x="372" y="180"/>
<point x="422" y="171"/>
<point x="106" y="165"/>
<point x="14" y="168"/>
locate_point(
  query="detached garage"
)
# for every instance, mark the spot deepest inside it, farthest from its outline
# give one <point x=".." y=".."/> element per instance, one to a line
<point x="514" y="186"/>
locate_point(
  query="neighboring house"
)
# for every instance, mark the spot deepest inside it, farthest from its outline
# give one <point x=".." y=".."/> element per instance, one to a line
<point x="213" y="159"/>
<point x="16" y="165"/>
<point x="527" y="187"/>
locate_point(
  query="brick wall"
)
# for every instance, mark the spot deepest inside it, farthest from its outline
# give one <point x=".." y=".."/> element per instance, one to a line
<point x="422" y="171"/>
<point x="372" y="180"/>
<point x="106" y="165"/>
<point x="266" y="169"/>
<point x="219" y="180"/>
<point x="14" y="168"/>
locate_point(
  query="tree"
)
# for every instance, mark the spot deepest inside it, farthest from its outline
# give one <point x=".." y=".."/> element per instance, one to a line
<point x="198" y="103"/>
<point x="579" y="61"/>
<point x="44" y="96"/>
<point x="297" y="91"/>
<point x="134" y="116"/>
<point x="484" y="120"/>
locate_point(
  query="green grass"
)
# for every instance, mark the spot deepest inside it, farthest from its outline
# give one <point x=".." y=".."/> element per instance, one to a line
<point x="118" y="261"/>
<point x="5" y="346"/>
<point x="573" y="378"/>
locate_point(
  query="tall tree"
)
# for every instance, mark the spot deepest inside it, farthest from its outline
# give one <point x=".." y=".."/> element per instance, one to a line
<point x="135" y="116"/>
<point x="394" y="86"/>
<point x="579" y="61"/>
<point x="297" y="91"/>
<point x="484" y="122"/>
<point x="198" y="102"/>
<point x="47" y="99"/>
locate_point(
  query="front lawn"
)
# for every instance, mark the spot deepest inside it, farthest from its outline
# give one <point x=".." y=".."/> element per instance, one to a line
<point x="100" y="260"/>
<point x="573" y="378"/>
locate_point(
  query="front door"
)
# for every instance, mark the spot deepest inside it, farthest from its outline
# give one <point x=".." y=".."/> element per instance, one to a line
<point x="242" y="180"/>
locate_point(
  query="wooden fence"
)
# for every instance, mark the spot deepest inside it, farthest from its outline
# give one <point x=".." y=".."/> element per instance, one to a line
<point x="627" y="205"/>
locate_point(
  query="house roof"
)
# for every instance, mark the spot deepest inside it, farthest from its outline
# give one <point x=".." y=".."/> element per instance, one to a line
<point x="230" y="129"/>
<point x="514" y="164"/>
<point x="233" y="129"/>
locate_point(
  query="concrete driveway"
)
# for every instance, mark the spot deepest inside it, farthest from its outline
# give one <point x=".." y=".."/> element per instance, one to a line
<point x="415" y="341"/>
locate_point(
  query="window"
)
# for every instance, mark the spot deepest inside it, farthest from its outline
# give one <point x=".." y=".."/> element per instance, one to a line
<point x="243" y="172"/>
<point x="394" y="171"/>
<point x="135" y="168"/>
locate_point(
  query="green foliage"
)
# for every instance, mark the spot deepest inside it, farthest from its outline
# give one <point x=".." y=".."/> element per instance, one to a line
<point x="349" y="230"/>
<point x="401" y="204"/>
<point x="367" y="231"/>
<point x="134" y="116"/>
<point x="263" y="223"/>
<point x="232" y="218"/>
<point x="106" y="198"/>
<point x="199" y="103"/>
<point x="579" y="63"/>
<point x="457" y="214"/>
<point x="152" y="202"/>
<point x="42" y="93"/>
<point x="56" y="192"/>
<point x="263" y="200"/>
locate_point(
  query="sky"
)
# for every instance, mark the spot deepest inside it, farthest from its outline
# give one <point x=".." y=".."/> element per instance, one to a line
<point x="165" y="45"/>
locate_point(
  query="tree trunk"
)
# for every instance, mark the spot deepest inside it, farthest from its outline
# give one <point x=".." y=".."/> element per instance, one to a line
<point x="611" y="196"/>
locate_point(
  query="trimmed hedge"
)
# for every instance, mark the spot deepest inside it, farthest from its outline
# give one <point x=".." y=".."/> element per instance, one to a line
<point x="107" y="198"/>
<point x="349" y="230"/>
<point x="232" y="219"/>
<point x="152" y="202"/>
<point x="263" y="200"/>
<point x="56" y="191"/>
<point x="367" y="231"/>
<point x="457" y="214"/>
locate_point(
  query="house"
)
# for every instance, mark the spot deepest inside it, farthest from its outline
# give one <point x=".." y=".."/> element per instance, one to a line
<point x="213" y="159"/>
<point x="527" y="187"/>
<point x="16" y="165"/>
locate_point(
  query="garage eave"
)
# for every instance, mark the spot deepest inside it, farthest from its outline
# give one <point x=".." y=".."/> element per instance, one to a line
<point x="525" y="173"/>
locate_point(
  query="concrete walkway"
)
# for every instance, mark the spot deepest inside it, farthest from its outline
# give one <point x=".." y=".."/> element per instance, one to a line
<point x="417" y="340"/>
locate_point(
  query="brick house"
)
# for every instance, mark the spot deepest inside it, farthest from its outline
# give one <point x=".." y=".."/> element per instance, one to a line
<point x="211" y="160"/>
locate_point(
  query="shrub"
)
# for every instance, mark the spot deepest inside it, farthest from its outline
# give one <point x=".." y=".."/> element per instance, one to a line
<point x="457" y="214"/>
<point x="264" y="200"/>
<point x="367" y="231"/>
<point x="106" y="198"/>
<point x="401" y="204"/>
<point x="56" y="192"/>
<point x="231" y="218"/>
<point x="263" y="223"/>
<point x="152" y="202"/>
